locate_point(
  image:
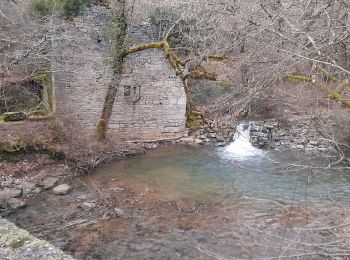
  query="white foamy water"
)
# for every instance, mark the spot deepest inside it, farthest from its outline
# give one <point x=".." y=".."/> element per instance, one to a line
<point x="241" y="146"/>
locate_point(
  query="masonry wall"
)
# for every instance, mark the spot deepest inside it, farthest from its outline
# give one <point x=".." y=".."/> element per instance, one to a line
<point x="82" y="70"/>
<point x="156" y="106"/>
<point x="150" y="103"/>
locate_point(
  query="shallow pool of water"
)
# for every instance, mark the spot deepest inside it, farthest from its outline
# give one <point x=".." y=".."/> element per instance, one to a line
<point x="181" y="201"/>
<point x="214" y="174"/>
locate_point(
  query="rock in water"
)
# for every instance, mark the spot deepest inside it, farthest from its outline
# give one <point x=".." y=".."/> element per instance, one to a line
<point x="14" y="203"/>
<point x="62" y="189"/>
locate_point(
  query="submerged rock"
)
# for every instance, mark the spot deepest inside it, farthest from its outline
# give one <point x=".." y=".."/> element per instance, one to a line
<point x="62" y="189"/>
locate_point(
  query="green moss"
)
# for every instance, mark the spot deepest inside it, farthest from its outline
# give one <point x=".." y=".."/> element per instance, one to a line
<point x="38" y="145"/>
<point x="14" y="146"/>
<point x="345" y="104"/>
<point x="194" y="120"/>
<point x="15" y="239"/>
<point x="54" y="153"/>
<point x="44" y="78"/>
<point x="335" y="95"/>
<point x="217" y="57"/>
<point x="101" y="130"/>
<point x="299" y="78"/>
<point x="224" y="85"/>
<point x="14" y="116"/>
<point x="116" y="32"/>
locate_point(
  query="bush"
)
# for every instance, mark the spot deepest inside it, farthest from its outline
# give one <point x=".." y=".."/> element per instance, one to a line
<point x="164" y="18"/>
<point x="67" y="7"/>
<point x="73" y="7"/>
<point x="43" y="7"/>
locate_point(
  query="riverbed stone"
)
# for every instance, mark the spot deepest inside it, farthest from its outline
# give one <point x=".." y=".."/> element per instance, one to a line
<point x="50" y="182"/>
<point x="187" y="140"/>
<point x="212" y="135"/>
<point x="27" y="187"/>
<point x="88" y="205"/>
<point x="62" y="189"/>
<point x="15" y="204"/>
<point x="36" y="190"/>
<point x="10" y="193"/>
<point x="3" y="203"/>
<point x="198" y="141"/>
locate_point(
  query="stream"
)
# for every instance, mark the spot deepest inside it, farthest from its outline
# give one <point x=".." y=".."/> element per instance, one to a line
<point x="186" y="202"/>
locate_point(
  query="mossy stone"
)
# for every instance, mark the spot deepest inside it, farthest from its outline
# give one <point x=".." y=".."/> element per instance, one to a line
<point x="14" y="116"/>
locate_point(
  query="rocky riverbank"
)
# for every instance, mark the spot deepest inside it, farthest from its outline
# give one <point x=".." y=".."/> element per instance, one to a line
<point x="297" y="133"/>
<point x="301" y="133"/>
<point x="15" y="190"/>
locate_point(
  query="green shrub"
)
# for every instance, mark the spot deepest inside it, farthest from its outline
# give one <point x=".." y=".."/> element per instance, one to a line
<point x="73" y="7"/>
<point x="43" y="7"/>
<point x="67" y="7"/>
<point x="164" y="18"/>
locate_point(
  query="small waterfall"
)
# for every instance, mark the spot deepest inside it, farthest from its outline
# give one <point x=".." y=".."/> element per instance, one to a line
<point x="241" y="146"/>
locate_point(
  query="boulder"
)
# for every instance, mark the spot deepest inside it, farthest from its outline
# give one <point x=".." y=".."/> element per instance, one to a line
<point x="3" y="203"/>
<point x="27" y="187"/>
<point x="50" y="182"/>
<point x="88" y="205"/>
<point x="187" y="140"/>
<point x="212" y="135"/>
<point x="14" y="203"/>
<point x="198" y="141"/>
<point x="10" y="193"/>
<point x="62" y="189"/>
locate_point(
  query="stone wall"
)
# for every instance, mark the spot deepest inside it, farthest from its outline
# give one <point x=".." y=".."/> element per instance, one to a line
<point x="302" y="133"/>
<point x="151" y="101"/>
<point x="82" y="70"/>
